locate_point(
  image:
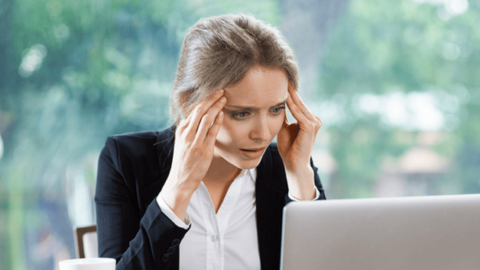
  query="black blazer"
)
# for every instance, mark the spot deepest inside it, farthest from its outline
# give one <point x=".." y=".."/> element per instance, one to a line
<point x="131" y="228"/>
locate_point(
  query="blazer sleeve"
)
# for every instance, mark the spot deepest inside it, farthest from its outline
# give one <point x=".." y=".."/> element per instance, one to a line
<point x="136" y="241"/>
<point x="318" y="184"/>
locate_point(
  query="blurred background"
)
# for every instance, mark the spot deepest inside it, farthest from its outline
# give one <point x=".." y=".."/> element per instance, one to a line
<point x="396" y="84"/>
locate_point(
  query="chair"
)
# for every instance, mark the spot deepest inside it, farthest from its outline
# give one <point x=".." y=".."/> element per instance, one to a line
<point x="86" y="242"/>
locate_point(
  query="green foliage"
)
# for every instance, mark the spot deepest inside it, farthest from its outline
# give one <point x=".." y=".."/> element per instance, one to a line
<point x="73" y="73"/>
<point x="379" y="48"/>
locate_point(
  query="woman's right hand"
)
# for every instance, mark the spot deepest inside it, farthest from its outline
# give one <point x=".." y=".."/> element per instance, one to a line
<point x="193" y="152"/>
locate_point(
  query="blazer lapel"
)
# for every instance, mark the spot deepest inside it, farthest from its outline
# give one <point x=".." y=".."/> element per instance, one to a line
<point x="270" y="201"/>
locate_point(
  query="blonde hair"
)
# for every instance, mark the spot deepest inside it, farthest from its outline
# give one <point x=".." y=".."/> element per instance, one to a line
<point x="218" y="51"/>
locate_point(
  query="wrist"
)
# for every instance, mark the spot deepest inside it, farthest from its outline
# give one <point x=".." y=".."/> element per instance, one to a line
<point x="177" y="199"/>
<point x="301" y="184"/>
<point x="298" y="165"/>
<point x="300" y="172"/>
<point x="181" y="188"/>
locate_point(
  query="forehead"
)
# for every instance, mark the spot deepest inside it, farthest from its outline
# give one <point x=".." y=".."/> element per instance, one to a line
<point x="261" y="87"/>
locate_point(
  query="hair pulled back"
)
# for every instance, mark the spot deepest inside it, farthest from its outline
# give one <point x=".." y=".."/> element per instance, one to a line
<point x="218" y="51"/>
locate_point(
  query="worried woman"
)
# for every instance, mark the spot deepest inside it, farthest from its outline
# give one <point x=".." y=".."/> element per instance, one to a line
<point x="208" y="192"/>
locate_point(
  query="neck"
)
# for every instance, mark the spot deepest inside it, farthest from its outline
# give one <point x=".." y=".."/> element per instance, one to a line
<point x="221" y="171"/>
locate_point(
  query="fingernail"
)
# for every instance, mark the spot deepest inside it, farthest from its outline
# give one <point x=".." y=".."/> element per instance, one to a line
<point x="220" y="92"/>
<point x="223" y="99"/>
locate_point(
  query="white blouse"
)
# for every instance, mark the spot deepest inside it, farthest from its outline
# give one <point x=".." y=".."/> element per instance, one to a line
<point x="223" y="240"/>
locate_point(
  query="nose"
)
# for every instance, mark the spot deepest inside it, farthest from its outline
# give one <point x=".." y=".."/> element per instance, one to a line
<point x="260" y="131"/>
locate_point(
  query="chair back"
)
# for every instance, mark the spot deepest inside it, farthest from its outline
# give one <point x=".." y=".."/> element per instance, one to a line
<point x="86" y="242"/>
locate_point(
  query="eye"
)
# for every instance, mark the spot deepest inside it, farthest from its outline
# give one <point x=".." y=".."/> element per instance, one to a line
<point x="240" y="115"/>
<point x="278" y="110"/>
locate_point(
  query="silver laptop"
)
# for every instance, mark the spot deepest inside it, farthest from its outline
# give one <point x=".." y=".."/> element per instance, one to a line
<point x="409" y="233"/>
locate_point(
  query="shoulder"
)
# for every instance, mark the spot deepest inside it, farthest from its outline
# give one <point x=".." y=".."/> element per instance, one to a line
<point x="133" y="138"/>
<point x="130" y="143"/>
<point x="135" y="148"/>
<point x="137" y="142"/>
<point x="136" y="157"/>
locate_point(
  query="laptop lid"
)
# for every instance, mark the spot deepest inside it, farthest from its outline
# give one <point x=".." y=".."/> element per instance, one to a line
<point x="434" y="232"/>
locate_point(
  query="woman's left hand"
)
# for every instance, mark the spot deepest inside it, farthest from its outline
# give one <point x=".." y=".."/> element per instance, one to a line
<point x="295" y="144"/>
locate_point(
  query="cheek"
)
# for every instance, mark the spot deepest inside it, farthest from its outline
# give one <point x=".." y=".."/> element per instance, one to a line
<point x="276" y="124"/>
<point x="229" y="131"/>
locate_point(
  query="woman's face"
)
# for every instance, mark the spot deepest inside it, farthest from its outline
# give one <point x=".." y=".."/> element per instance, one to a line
<point x="254" y="114"/>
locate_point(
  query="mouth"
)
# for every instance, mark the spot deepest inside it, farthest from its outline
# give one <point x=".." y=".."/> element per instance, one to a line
<point x="253" y="150"/>
<point x="252" y="153"/>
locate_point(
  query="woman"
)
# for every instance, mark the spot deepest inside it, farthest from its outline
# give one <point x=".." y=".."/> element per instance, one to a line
<point x="208" y="193"/>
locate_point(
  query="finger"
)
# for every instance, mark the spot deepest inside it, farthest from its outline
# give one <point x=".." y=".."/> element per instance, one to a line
<point x="183" y="123"/>
<point x="295" y="110"/>
<point x="208" y="120"/>
<point x="299" y="102"/>
<point x="318" y="125"/>
<point x="303" y="123"/>
<point x="189" y="117"/>
<point x="319" y="121"/>
<point x="213" y="131"/>
<point x="200" y="111"/>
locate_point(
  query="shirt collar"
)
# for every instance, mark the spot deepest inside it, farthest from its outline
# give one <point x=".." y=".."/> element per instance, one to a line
<point x="251" y="173"/>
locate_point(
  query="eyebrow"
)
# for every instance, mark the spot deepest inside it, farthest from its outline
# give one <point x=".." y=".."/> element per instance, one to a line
<point x="254" y="108"/>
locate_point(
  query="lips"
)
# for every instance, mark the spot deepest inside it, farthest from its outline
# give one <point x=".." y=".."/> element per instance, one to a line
<point x="252" y="153"/>
<point x="253" y="149"/>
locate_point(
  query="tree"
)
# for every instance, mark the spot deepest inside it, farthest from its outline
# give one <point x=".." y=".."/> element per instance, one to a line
<point x="73" y="73"/>
<point x="378" y="48"/>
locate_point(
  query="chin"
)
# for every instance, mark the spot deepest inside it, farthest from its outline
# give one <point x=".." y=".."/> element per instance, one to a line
<point x="246" y="165"/>
<point x="239" y="161"/>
